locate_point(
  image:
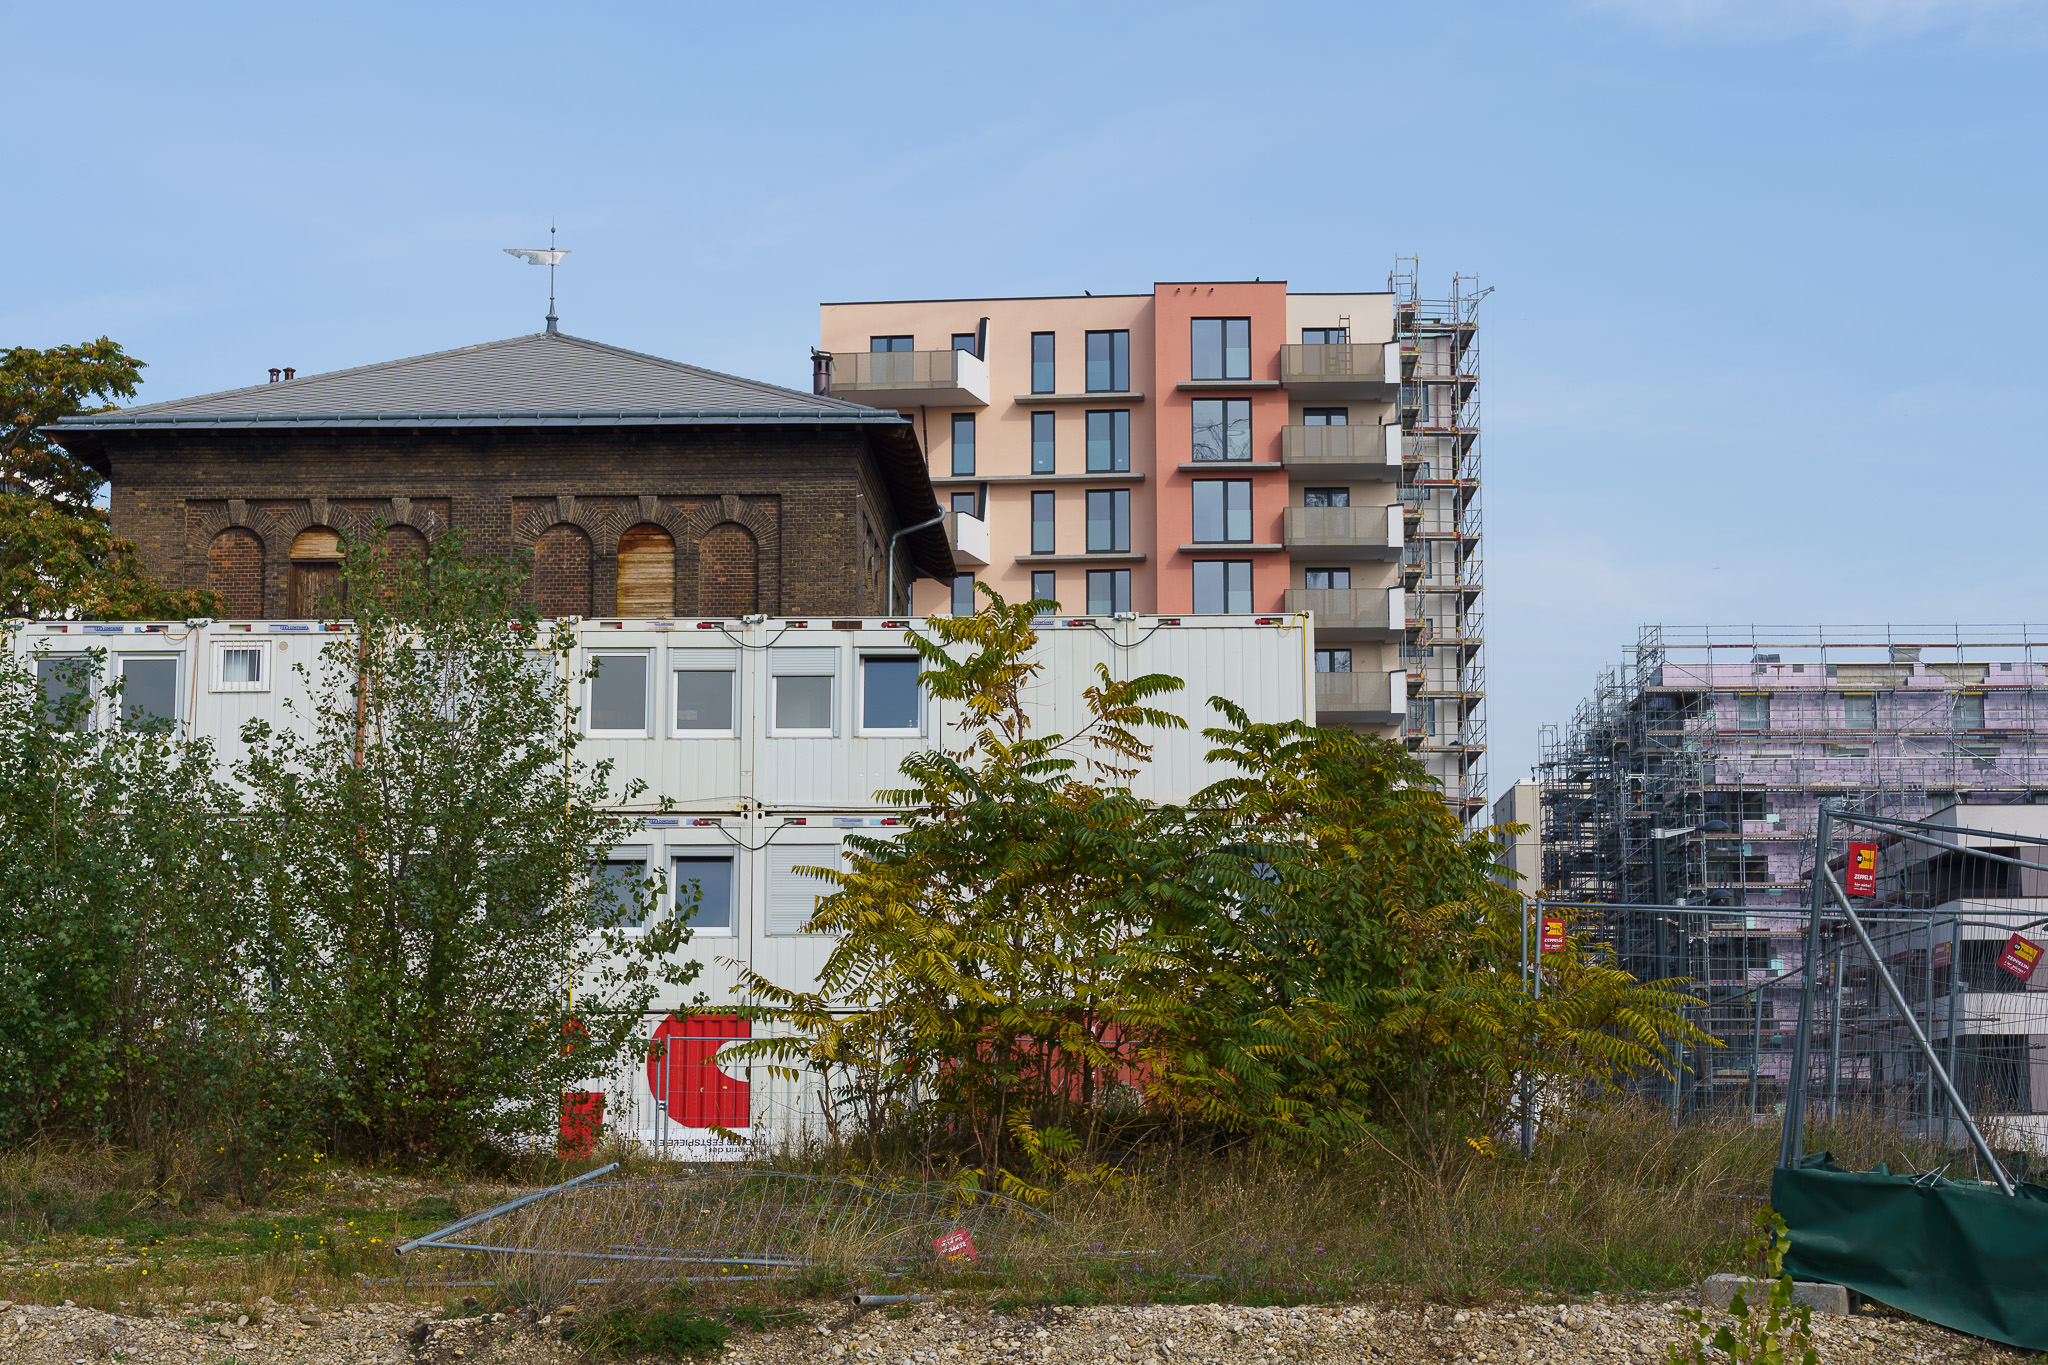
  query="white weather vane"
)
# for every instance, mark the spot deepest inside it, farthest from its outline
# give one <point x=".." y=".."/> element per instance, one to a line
<point x="549" y="256"/>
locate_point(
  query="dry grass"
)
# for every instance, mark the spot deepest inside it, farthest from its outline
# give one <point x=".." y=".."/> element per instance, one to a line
<point x="1625" y="1203"/>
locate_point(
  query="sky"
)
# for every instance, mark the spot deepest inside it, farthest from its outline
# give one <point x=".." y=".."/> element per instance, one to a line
<point x="1741" y="249"/>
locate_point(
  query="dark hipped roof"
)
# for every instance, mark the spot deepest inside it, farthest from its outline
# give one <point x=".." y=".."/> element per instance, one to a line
<point x="541" y="380"/>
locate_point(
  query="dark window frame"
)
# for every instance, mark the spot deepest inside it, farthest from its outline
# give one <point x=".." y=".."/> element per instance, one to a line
<point x="958" y="419"/>
<point x="1051" y="384"/>
<point x="1049" y="446"/>
<point x="1223" y="428"/>
<point x="1119" y="520"/>
<point x="1223" y="348"/>
<point x="1119" y="440"/>
<point x="1044" y="498"/>
<point x="1227" y="489"/>
<point x="1118" y="361"/>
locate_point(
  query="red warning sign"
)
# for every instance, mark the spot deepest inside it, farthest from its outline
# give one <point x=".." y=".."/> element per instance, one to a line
<point x="2020" y="957"/>
<point x="1862" y="870"/>
<point x="955" y="1245"/>
<point x="1553" y="936"/>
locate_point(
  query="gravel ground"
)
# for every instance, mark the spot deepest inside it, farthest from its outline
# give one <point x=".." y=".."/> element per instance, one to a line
<point x="961" y="1334"/>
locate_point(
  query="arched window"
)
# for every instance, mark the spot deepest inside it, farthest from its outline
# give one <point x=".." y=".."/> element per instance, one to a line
<point x="647" y="572"/>
<point x="561" y="571"/>
<point x="234" y="570"/>
<point x="316" y="572"/>
<point x="728" y="573"/>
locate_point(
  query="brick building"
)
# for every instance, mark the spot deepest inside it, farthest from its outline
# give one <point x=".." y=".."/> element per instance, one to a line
<point x="640" y="486"/>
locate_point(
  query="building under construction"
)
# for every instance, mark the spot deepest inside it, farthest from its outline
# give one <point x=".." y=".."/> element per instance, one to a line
<point x="1692" y="777"/>
<point x="1443" y="650"/>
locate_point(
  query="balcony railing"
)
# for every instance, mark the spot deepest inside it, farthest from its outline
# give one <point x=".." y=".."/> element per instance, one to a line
<point x="1370" y="371"/>
<point x="1342" y="532"/>
<point x="1360" y="452"/>
<point x="910" y="379"/>
<point x="1350" y="613"/>
<point x="1356" y="699"/>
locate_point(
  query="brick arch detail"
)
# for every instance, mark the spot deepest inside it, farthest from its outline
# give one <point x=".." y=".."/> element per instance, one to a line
<point x="728" y="571"/>
<point x="563" y="570"/>
<point x="234" y="570"/>
<point x="760" y="520"/>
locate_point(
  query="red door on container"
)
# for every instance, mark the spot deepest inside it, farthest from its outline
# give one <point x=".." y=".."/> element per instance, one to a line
<point x="684" y="1054"/>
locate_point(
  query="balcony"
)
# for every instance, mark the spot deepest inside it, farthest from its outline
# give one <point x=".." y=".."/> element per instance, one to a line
<point x="970" y="539"/>
<point x="1343" y="532"/>
<point x="1357" y="699"/>
<point x="1351" y="613"/>
<point x="1362" y="452"/>
<point x="1371" y="372"/>
<point x="911" y="379"/>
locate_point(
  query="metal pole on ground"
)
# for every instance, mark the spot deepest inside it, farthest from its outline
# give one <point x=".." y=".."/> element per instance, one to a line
<point x="1835" y="1039"/>
<point x="1955" y="1000"/>
<point x="1756" y="1049"/>
<point x="1792" y="1139"/>
<point x="1927" y="1100"/>
<point x="1528" y="1124"/>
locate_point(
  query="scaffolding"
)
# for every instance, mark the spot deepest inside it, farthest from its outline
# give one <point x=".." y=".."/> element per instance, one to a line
<point x="1443" y="650"/>
<point x="1692" y="776"/>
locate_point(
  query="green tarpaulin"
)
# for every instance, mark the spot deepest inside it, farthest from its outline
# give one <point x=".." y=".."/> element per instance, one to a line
<point x="1964" y="1255"/>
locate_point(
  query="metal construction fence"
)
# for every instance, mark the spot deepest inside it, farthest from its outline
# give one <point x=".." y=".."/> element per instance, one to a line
<point x="1922" y="1005"/>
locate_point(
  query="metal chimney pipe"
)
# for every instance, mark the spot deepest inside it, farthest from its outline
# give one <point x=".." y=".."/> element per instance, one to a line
<point x="273" y="374"/>
<point x="821" y="372"/>
<point x="289" y="372"/>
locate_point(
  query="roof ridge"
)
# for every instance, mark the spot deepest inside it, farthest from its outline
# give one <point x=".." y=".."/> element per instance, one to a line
<point x="703" y="370"/>
<point x="300" y="379"/>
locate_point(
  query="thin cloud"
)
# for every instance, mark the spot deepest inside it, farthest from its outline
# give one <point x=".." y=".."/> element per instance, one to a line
<point x="1856" y="19"/>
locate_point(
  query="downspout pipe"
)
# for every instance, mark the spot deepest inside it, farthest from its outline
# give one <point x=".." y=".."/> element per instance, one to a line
<point x="890" y="605"/>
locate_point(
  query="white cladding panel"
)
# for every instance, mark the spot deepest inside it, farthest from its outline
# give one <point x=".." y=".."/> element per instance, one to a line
<point x="769" y="802"/>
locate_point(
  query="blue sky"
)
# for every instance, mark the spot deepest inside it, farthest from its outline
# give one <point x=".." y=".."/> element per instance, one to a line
<point x="1767" y="337"/>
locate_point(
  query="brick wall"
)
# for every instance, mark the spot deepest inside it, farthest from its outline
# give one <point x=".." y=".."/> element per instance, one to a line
<point x="223" y="508"/>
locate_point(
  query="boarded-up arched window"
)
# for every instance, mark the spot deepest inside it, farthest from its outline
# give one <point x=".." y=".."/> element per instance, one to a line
<point x="728" y="572"/>
<point x="647" y="572"/>
<point x="234" y="570"/>
<point x="316" y="572"/>
<point x="561" y="572"/>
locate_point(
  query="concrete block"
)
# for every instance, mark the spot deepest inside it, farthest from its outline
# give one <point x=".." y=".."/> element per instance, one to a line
<point x="1719" y="1291"/>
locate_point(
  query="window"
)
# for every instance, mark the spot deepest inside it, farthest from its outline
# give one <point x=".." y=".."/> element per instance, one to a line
<point x="1325" y="336"/>
<point x="1223" y="510"/>
<point x="1333" y="661"/>
<point x="1042" y="380"/>
<point x="1859" y="710"/>
<point x="1339" y="578"/>
<point x="1109" y="591"/>
<point x="1041" y="443"/>
<point x="1753" y="711"/>
<point x="882" y="344"/>
<point x="803" y="690"/>
<point x="964" y="341"/>
<point x="241" y="668"/>
<point x="1043" y="587"/>
<point x="1325" y="417"/>
<point x="149" y="691"/>
<point x="1223" y="585"/>
<point x="618" y="695"/>
<point x="67" y="685"/>
<point x="1221" y="348"/>
<point x="963" y="443"/>
<point x="1109" y="362"/>
<point x="1326" y="497"/>
<point x="968" y="503"/>
<point x="1041" y="523"/>
<point x="1223" y="428"/>
<point x="963" y="594"/>
<point x="1109" y="442"/>
<point x="1109" y="520"/>
<point x="616" y="886"/>
<point x="701" y="891"/>
<point x="793" y="894"/>
<point x="704" y="694"/>
<point x="1967" y="713"/>
<point x="888" y="693"/>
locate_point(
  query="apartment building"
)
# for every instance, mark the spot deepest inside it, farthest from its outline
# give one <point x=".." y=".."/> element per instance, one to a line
<point x="1212" y="448"/>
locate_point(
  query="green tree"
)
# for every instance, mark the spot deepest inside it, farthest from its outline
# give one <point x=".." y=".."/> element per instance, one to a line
<point x="58" y="554"/>
<point x="422" y="844"/>
<point x="125" y="991"/>
<point x="987" y="955"/>
<point x="1353" y="974"/>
